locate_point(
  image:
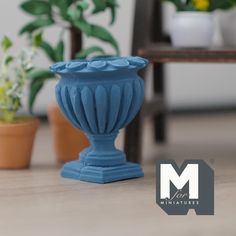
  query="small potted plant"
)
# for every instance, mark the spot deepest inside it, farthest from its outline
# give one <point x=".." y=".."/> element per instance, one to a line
<point x="17" y="133"/>
<point x="69" y="16"/>
<point x="192" y="24"/>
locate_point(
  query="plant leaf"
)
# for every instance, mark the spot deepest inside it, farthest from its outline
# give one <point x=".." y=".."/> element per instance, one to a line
<point x="6" y="43"/>
<point x="74" y="14"/>
<point x="113" y="14"/>
<point x="102" y="5"/>
<point x="63" y="6"/>
<point x="112" y="4"/>
<point x="86" y="52"/>
<point x="224" y="5"/>
<point x="83" y="5"/>
<point x="37" y="39"/>
<point x="99" y="5"/>
<point x="104" y="35"/>
<point x="59" y="51"/>
<point x="8" y="60"/>
<point x="48" y="49"/>
<point x="61" y="3"/>
<point x="37" y="7"/>
<point x="36" y="24"/>
<point x="37" y="79"/>
<point x="83" y="26"/>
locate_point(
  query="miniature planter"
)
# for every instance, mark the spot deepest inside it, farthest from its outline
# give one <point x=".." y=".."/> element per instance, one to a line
<point x="16" y="133"/>
<point x="100" y="96"/>
<point x="16" y="143"/>
<point x="68" y="141"/>
<point x="192" y="29"/>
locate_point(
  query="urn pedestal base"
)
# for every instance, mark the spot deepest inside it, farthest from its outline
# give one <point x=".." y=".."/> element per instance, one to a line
<point x="98" y="174"/>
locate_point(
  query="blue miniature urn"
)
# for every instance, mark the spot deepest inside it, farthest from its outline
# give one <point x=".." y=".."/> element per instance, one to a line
<point x="100" y="96"/>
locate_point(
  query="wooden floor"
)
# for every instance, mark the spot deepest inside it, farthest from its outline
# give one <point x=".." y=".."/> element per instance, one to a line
<point x="38" y="202"/>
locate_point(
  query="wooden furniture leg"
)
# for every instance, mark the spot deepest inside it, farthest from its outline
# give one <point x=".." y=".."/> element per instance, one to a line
<point x="159" y="89"/>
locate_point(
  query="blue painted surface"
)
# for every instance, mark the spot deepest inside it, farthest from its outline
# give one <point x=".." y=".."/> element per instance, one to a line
<point x="99" y="174"/>
<point x="100" y="96"/>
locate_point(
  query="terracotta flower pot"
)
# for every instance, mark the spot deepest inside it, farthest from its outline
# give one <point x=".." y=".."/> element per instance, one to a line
<point x="16" y="143"/>
<point x="68" y="141"/>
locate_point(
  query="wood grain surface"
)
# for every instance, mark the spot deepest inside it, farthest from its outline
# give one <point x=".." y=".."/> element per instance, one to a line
<point x="38" y="202"/>
<point x="162" y="53"/>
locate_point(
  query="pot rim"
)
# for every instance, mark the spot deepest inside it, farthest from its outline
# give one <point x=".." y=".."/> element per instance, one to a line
<point x="193" y="13"/>
<point x="99" y="64"/>
<point x="29" y="120"/>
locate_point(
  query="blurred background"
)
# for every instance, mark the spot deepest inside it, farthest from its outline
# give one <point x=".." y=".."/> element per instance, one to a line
<point x="188" y="86"/>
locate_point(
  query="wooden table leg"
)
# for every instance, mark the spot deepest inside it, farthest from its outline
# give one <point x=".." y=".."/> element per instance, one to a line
<point x="133" y="140"/>
<point x="159" y="88"/>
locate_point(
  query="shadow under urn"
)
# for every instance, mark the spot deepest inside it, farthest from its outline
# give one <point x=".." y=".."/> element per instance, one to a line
<point x="100" y="96"/>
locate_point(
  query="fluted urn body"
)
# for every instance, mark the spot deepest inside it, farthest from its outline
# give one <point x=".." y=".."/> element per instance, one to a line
<point x="100" y="96"/>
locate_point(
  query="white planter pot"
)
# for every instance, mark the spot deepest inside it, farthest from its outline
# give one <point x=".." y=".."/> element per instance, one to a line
<point x="192" y="29"/>
<point x="227" y="22"/>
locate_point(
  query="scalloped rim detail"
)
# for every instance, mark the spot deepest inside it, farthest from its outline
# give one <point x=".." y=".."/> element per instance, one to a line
<point x="99" y="64"/>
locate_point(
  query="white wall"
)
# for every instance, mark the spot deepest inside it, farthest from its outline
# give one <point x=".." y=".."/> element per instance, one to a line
<point x="187" y="85"/>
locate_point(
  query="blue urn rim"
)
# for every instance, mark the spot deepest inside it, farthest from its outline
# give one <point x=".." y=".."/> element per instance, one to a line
<point x="101" y="64"/>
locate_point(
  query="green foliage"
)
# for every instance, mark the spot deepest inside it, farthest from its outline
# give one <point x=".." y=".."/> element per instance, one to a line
<point x="88" y="51"/>
<point x="37" y="39"/>
<point x="102" y="5"/>
<point x="202" y="5"/>
<point x="6" y="43"/>
<point x="74" y="15"/>
<point x="8" y="60"/>
<point x="112" y="5"/>
<point x="62" y="6"/>
<point x="35" y="25"/>
<point x="37" y="7"/>
<point x="59" y="51"/>
<point x="66" y="14"/>
<point x="223" y="4"/>
<point x="96" y="31"/>
<point x="99" y="6"/>
<point x="49" y="50"/>
<point x="37" y="79"/>
<point x="104" y="35"/>
<point x="83" y="5"/>
<point x="12" y="84"/>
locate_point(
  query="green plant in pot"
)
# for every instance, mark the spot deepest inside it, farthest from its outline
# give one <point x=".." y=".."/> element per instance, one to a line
<point x="16" y="133"/>
<point x="71" y="16"/>
<point x="192" y="24"/>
